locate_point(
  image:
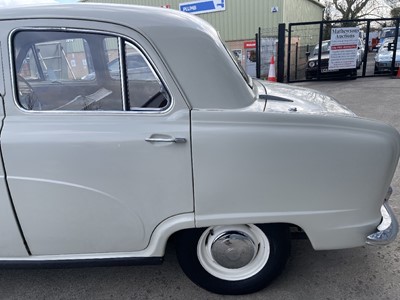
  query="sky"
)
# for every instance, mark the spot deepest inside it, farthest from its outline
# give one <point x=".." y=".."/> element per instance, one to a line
<point x="24" y="2"/>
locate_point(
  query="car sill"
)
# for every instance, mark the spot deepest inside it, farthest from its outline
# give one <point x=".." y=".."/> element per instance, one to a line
<point x="80" y="263"/>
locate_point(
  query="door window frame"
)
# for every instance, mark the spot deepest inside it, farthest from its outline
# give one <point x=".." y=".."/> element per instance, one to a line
<point x="122" y="40"/>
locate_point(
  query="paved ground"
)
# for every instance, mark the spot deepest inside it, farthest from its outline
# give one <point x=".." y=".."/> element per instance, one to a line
<point x="361" y="273"/>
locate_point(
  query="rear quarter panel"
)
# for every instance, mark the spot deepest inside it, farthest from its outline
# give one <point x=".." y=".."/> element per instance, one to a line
<point x="327" y="174"/>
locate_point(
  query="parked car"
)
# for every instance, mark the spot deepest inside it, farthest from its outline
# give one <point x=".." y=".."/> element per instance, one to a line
<point x="384" y="57"/>
<point x="136" y="66"/>
<point x="360" y="53"/>
<point x="387" y="32"/>
<point x="312" y="63"/>
<point x="110" y="170"/>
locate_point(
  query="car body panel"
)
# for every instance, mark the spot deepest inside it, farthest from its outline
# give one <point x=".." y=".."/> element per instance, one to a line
<point x="114" y="184"/>
<point x="285" y="98"/>
<point x="155" y="248"/>
<point x="11" y="241"/>
<point x="89" y="203"/>
<point x="239" y="183"/>
<point x="93" y="180"/>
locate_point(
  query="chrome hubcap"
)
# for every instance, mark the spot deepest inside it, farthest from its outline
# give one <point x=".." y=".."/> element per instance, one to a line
<point x="233" y="252"/>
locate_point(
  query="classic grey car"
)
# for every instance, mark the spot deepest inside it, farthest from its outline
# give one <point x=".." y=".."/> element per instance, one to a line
<point x="111" y="168"/>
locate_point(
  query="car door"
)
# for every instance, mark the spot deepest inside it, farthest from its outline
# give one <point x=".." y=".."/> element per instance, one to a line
<point x="95" y="162"/>
<point x="11" y="242"/>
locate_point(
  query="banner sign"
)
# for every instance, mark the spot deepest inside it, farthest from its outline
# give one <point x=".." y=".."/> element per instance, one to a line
<point x="249" y="44"/>
<point x="344" y="47"/>
<point x="202" y="7"/>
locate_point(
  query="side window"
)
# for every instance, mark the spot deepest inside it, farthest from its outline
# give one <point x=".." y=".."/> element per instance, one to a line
<point x="112" y="56"/>
<point x="145" y="91"/>
<point x="145" y="88"/>
<point x="57" y="60"/>
<point x="81" y="71"/>
<point x="29" y="69"/>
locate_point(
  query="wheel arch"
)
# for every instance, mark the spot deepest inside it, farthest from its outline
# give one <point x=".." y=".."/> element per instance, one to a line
<point x="163" y="233"/>
<point x="296" y="231"/>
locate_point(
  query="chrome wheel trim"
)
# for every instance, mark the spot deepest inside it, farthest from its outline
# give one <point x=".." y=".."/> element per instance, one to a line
<point x="245" y="251"/>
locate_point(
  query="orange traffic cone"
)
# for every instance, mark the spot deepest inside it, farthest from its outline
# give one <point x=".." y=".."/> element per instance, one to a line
<point x="271" y="73"/>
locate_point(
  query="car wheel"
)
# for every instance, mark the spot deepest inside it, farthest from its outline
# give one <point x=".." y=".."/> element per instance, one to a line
<point x="236" y="259"/>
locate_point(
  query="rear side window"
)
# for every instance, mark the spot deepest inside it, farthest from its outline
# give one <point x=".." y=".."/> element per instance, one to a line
<point x="81" y="71"/>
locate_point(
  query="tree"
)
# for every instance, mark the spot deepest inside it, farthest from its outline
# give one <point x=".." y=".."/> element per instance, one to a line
<point x="357" y="9"/>
<point x="395" y="12"/>
<point x="328" y="16"/>
<point x="392" y="3"/>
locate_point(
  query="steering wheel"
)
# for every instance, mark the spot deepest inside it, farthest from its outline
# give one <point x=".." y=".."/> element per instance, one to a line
<point x="26" y="95"/>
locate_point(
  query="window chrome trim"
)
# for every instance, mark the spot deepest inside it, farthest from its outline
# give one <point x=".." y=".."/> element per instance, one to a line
<point x="141" y="111"/>
<point x="2" y="75"/>
<point x="123" y="75"/>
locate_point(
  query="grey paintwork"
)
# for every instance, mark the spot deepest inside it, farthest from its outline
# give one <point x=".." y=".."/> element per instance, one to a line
<point x="284" y="98"/>
<point x="247" y="159"/>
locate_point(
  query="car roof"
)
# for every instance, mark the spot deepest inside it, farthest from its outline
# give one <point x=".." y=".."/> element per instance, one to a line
<point x="91" y="11"/>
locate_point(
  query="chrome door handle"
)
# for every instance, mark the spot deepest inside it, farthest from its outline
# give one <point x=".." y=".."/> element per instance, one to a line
<point x="166" y="140"/>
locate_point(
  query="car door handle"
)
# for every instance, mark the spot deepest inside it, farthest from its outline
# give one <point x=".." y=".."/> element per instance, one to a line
<point x="165" y="140"/>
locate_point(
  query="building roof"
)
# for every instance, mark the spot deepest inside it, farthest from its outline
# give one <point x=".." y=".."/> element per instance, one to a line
<point x="317" y="3"/>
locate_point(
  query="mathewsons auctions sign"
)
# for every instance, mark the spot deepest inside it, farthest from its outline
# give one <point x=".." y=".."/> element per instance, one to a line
<point x="344" y="47"/>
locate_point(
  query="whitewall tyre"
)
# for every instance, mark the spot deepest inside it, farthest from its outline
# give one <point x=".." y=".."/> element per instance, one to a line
<point x="234" y="259"/>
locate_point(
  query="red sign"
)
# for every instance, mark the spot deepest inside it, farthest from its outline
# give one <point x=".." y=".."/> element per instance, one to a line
<point x="343" y="47"/>
<point x="249" y="44"/>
